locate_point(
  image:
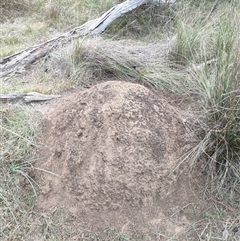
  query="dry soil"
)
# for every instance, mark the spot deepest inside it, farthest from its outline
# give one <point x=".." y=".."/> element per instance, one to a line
<point x="109" y="152"/>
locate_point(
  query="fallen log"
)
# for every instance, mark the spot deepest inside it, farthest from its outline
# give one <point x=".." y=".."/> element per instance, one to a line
<point x="29" y="97"/>
<point x="17" y="62"/>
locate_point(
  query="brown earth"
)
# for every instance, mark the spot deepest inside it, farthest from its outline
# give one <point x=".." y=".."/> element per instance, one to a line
<point x="112" y="149"/>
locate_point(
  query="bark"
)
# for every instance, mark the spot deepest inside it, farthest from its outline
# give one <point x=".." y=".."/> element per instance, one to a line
<point x="29" y="97"/>
<point x="17" y="62"/>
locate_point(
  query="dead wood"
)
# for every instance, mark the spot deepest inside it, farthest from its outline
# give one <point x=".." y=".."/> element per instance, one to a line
<point x="29" y="97"/>
<point x="17" y="62"/>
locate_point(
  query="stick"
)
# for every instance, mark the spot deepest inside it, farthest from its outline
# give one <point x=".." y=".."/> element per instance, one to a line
<point x="29" y="97"/>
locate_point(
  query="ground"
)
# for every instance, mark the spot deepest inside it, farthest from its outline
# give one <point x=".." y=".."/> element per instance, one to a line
<point x="109" y="154"/>
<point x="108" y="160"/>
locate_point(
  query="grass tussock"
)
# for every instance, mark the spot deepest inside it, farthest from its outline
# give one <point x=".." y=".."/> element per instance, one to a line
<point x="195" y="33"/>
<point x="143" y="63"/>
<point x="216" y="83"/>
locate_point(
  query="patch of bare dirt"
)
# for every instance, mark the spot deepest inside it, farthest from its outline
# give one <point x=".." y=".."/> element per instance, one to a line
<point x="112" y="148"/>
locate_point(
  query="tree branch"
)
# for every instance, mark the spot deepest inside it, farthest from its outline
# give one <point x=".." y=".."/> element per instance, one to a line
<point x="17" y="62"/>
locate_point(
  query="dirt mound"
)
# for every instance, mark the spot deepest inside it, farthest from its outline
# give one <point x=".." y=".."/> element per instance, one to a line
<point x="112" y="147"/>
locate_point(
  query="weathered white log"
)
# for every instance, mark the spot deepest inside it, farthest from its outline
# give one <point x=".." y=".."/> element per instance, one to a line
<point x="29" y="97"/>
<point x="17" y="62"/>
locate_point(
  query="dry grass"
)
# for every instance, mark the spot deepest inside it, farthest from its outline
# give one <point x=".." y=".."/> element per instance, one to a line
<point x="87" y="61"/>
<point x="25" y="23"/>
<point x="19" y="128"/>
<point x="216" y="84"/>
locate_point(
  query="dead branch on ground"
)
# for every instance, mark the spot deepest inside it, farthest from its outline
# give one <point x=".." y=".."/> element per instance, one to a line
<point x="17" y="62"/>
<point x="29" y="97"/>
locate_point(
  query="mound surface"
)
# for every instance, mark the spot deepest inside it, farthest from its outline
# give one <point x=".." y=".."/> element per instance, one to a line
<point x="112" y="147"/>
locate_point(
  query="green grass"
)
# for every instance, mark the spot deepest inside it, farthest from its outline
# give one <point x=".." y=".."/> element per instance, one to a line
<point x="142" y="22"/>
<point x="216" y="86"/>
<point x="19" y="128"/>
<point x="196" y="33"/>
